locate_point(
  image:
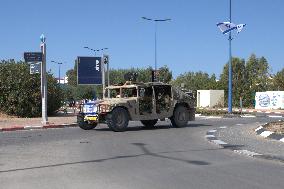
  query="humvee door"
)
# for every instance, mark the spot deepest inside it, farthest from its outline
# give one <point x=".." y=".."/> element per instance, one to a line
<point x="145" y="100"/>
<point x="163" y="99"/>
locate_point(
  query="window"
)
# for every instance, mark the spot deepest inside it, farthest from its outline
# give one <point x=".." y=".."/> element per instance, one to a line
<point x="129" y="92"/>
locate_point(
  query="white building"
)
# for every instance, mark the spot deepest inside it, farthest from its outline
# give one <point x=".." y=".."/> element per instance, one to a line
<point x="210" y="98"/>
<point x="63" y="80"/>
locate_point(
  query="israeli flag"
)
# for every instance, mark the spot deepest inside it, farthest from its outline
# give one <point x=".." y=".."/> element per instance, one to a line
<point x="240" y="27"/>
<point x="226" y="27"/>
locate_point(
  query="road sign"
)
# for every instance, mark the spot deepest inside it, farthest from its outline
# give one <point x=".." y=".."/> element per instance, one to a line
<point x="89" y="71"/>
<point x="33" y="56"/>
<point x="35" y="68"/>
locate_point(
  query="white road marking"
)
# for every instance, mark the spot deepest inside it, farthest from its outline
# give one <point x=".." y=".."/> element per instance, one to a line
<point x="266" y="133"/>
<point x="223" y="127"/>
<point x="274" y="116"/>
<point x="32" y="127"/>
<point x="248" y="116"/>
<point x="212" y="131"/>
<point x="246" y="152"/>
<point x="209" y="136"/>
<point x="258" y="128"/>
<point x="220" y="142"/>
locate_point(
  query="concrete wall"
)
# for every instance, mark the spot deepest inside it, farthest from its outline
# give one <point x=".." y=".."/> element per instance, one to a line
<point x="217" y="98"/>
<point x="210" y="98"/>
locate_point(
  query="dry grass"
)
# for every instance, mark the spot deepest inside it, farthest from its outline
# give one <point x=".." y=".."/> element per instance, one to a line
<point x="277" y="127"/>
<point x="10" y="121"/>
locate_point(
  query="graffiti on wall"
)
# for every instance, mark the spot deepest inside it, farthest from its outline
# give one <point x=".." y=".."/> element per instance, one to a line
<point x="269" y="100"/>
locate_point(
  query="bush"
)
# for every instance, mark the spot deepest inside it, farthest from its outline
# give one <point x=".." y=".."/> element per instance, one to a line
<point x="213" y="112"/>
<point x="20" y="92"/>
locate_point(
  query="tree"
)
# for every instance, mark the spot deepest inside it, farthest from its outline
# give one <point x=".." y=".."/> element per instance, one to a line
<point x="278" y="81"/>
<point x="238" y="80"/>
<point x="257" y="78"/>
<point x="72" y="75"/>
<point x="195" y="81"/>
<point x="165" y="75"/>
<point x="248" y="78"/>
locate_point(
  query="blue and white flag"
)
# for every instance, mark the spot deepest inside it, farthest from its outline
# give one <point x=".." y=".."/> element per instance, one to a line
<point x="240" y="27"/>
<point x="226" y="27"/>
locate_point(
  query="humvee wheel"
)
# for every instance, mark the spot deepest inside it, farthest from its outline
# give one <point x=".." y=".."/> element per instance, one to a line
<point x="149" y="123"/>
<point x="180" y="116"/>
<point x="83" y="124"/>
<point x="118" y="119"/>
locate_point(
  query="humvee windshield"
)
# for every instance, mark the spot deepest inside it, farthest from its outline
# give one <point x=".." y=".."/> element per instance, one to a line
<point x="122" y="92"/>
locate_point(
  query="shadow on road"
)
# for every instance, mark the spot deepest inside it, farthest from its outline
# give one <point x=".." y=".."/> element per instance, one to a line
<point x="158" y="127"/>
<point x="142" y="146"/>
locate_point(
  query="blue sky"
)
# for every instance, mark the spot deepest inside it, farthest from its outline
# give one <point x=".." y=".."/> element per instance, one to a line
<point x="190" y="42"/>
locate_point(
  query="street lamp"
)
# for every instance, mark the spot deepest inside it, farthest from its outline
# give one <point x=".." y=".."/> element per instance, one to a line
<point x="59" y="63"/>
<point x="95" y="50"/>
<point x="103" y="66"/>
<point x="156" y="21"/>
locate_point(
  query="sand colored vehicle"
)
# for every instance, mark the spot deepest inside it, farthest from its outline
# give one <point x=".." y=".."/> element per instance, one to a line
<point x="145" y="102"/>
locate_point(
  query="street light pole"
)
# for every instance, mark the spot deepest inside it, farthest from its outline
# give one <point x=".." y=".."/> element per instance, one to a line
<point x="59" y="63"/>
<point x="230" y="67"/>
<point x="156" y="25"/>
<point x="102" y="66"/>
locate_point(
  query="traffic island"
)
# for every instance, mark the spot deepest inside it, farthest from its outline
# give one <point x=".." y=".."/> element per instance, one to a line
<point x="272" y="130"/>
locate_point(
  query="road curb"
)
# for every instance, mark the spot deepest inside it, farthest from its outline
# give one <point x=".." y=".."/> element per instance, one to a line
<point x="276" y="112"/>
<point x="210" y="136"/>
<point x="268" y="134"/>
<point x="51" y="126"/>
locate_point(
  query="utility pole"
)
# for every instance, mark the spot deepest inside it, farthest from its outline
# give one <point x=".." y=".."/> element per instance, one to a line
<point x="43" y="81"/>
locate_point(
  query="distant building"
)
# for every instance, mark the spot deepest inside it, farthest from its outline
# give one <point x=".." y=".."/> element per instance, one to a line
<point x="63" y="80"/>
<point x="210" y="98"/>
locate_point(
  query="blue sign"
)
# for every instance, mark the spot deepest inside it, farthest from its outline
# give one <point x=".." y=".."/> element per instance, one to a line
<point x="89" y="71"/>
<point x="33" y="56"/>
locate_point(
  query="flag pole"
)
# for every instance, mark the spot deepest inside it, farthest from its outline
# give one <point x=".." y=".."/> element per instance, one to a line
<point x="230" y="67"/>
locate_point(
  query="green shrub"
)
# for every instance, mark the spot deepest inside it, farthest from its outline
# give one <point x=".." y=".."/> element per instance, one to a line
<point x="20" y="92"/>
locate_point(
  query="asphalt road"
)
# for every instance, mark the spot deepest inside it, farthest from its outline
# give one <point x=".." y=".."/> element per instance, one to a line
<point x="138" y="158"/>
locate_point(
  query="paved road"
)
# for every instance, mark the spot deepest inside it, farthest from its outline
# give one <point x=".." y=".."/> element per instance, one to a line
<point x="138" y="158"/>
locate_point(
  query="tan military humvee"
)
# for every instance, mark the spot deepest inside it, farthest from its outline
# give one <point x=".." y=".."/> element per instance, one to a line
<point x="145" y="102"/>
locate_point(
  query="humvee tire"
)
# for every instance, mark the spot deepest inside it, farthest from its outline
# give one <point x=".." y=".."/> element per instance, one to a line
<point x="84" y="125"/>
<point x="118" y="119"/>
<point x="149" y="123"/>
<point x="180" y="116"/>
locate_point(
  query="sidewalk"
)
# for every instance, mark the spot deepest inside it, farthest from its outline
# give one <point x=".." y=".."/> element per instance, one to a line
<point x="8" y="123"/>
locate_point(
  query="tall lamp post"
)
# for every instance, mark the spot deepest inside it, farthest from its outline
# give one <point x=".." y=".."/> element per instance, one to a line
<point x="59" y="63"/>
<point x="156" y="21"/>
